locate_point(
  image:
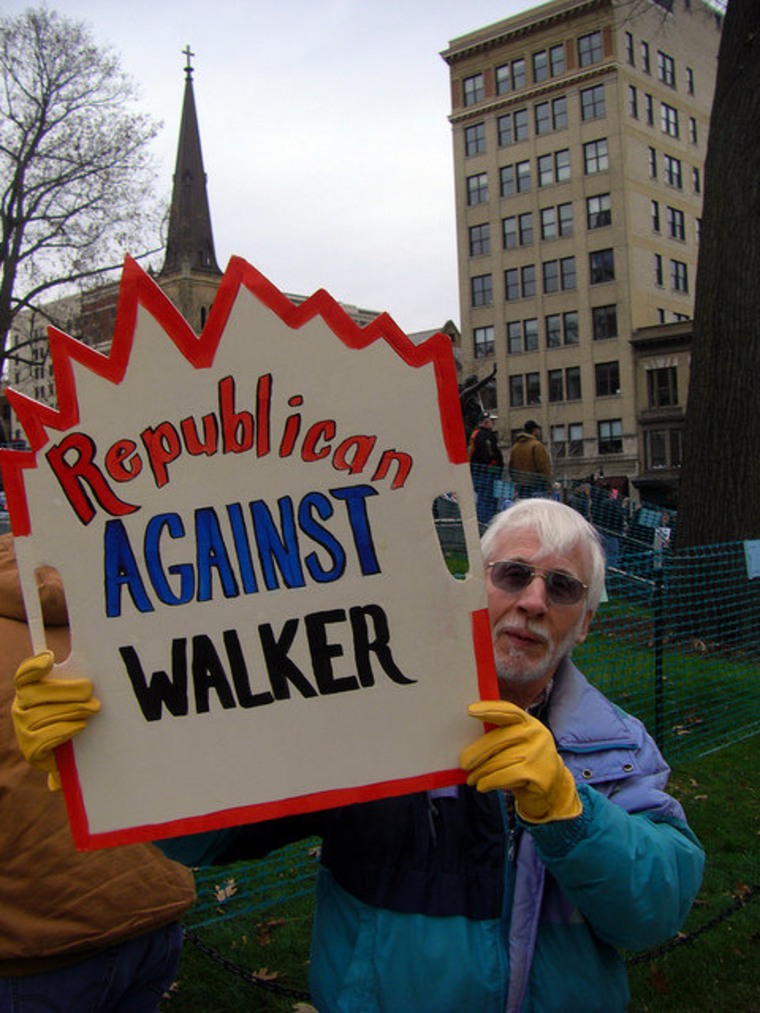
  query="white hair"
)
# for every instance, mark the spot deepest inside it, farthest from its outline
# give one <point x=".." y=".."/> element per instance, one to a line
<point x="560" y="530"/>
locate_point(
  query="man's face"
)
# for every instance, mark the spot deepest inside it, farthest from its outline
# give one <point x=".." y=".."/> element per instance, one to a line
<point x="531" y="634"/>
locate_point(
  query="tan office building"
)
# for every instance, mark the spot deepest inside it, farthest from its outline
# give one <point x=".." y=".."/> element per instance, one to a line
<point x="580" y="131"/>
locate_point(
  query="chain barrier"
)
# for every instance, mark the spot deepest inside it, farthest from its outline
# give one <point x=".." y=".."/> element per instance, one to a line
<point x="192" y="937"/>
<point x="739" y="902"/>
<point x="742" y="900"/>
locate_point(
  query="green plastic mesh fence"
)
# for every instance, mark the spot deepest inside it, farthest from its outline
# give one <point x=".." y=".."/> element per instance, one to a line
<point x="676" y="643"/>
<point x="677" y="640"/>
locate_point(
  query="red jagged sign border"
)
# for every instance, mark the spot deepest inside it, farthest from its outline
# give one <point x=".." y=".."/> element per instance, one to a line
<point x="138" y="289"/>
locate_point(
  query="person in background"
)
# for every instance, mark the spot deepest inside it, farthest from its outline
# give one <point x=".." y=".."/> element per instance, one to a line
<point x="486" y="465"/>
<point x="530" y="467"/>
<point x="79" y="931"/>
<point x="515" y="890"/>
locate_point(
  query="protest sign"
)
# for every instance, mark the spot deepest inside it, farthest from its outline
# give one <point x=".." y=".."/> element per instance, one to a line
<point x="243" y="521"/>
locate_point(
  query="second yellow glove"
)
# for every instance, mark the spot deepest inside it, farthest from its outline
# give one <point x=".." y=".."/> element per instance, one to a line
<point x="520" y="756"/>
<point x="48" y="712"/>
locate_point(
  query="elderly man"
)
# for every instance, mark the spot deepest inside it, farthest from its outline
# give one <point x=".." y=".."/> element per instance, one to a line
<point x="513" y="891"/>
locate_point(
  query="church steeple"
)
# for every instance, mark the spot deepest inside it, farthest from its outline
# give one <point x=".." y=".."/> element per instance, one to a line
<point x="190" y="240"/>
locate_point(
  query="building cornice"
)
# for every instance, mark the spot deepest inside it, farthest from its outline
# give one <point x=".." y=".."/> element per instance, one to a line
<point x="522" y="24"/>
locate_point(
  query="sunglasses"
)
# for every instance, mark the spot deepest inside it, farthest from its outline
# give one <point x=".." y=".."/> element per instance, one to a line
<point x="513" y="577"/>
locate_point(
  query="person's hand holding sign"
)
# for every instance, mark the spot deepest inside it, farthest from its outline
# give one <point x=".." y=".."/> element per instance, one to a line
<point x="519" y="755"/>
<point x="48" y="712"/>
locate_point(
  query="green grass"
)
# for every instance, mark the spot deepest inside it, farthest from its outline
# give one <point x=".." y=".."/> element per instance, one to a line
<point x="717" y="971"/>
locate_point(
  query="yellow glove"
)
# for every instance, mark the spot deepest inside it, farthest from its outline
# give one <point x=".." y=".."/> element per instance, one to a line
<point x="48" y="712"/>
<point x="519" y="755"/>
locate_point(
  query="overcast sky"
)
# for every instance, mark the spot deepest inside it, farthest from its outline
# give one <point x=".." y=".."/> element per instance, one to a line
<point x="325" y="134"/>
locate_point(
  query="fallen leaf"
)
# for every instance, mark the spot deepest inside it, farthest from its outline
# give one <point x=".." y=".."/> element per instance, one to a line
<point x="265" y="974"/>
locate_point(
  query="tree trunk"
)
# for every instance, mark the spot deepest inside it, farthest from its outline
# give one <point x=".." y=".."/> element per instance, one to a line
<point x="719" y="496"/>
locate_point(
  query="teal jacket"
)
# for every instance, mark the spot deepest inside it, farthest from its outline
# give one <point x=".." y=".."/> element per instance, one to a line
<point x="444" y="902"/>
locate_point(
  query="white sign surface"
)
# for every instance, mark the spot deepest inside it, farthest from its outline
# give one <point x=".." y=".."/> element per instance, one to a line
<point x="244" y="526"/>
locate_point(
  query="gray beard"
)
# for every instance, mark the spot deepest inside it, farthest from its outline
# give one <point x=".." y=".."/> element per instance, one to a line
<point x="518" y="673"/>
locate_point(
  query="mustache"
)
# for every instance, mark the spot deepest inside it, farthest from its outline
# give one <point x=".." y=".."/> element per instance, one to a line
<point x="505" y="626"/>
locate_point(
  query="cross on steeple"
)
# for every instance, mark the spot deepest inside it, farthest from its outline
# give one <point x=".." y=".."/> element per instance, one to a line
<point x="188" y="66"/>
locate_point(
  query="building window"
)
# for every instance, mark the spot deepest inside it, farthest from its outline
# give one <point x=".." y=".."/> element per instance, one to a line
<point x="575" y="442"/>
<point x="550" y="115"/>
<point x="645" y="64"/>
<point x="480" y="240"/>
<point x="662" y="387"/>
<point x="525" y="223"/>
<point x="473" y="89"/>
<point x="540" y="66"/>
<point x="658" y="276"/>
<point x="475" y="139"/>
<point x="669" y="119"/>
<point x="514" y="337"/>
<point x="561" y="329"/>
<point x="554" y="168"/>
<point x="590" y="49"/>
<point x="607" y="376"/>
<point x="557" y="60"/>
<point x="666" y="68"/>
<point x="522" y="171"/>
<point x="503" y="80"/>
<point x="521" y="125"/>
<point x="530" y="334"/>
<point x="633" y="101"/>
<point x="528" y="281"/>
<point x="604" y="322"/>
<point x="509" y="233"/>
<point x="601" y="266"/>
<point x="663" y="448"/>
<point x="565" y="214"/>
<point x="676" y="224"/>
<point x="692" y="130"/>
<point x="690" y="80"/>
<point x="610" y="435"/>
<point x="595" y="158"/>
<point x="696" y="180"/>
<point x="477" y="189"/>
<point x="629" y="49"/>
<point x="483" y="342"/>
<point x="559" y="113"/>
<point x="570" y="326"/>
<point x="673" y="171"/>
<point x="567" y="273"/>
<point x="504" y="126"/>
<point x="562" y="165"/>
<point x="559" y="275"/>
<point x="555" y="385"/>
<point x="545" y="165"/>
<point x="542" y="117"/>
<point x="482" y="290"/>
<point x="518" y="74"/>
<point x="655" y="216"/>
<point x="649" y="110"/>
<point x="553" y="324"/>
<point x="511" y="284"/>
<point x="548" y="223"/>
<point x="679" y="276"/>
<point x="652" y="163"/>
<point x="598" y="211"/>
<point x="592" y="102"/>
<point x="524" y="390"/>
<point x="507" y="180"/>
<point x="573" y="383"/>
<point x="558" y="441"/>
<point x="551" y="276"/>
